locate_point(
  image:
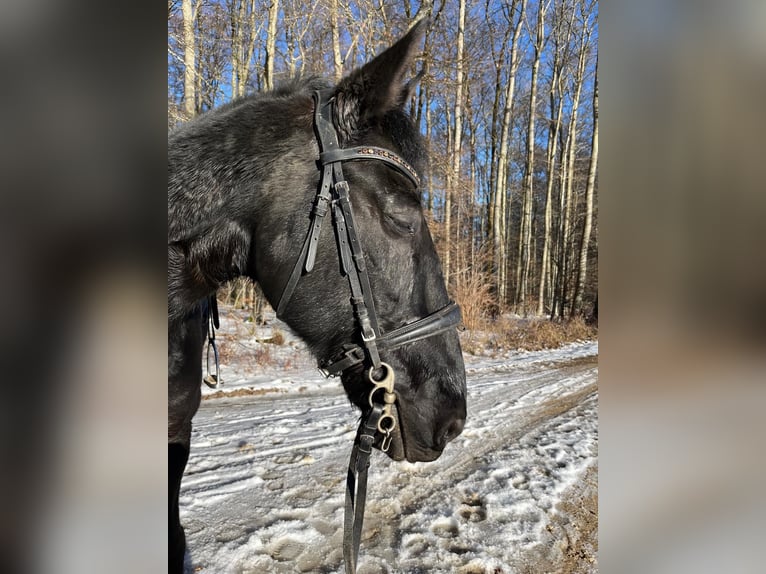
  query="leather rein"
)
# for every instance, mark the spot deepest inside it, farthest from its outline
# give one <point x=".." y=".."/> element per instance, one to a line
<point x="379" y="420"/>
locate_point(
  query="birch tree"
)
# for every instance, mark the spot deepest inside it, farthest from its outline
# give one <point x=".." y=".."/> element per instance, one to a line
<point x="243" y="38"/>
<point x="189" y="12"/>
<point x="562" y="31"/>
<point x="335" y="33"/>
<point x="566" y="206"/>
<point x="525" y="229"/>
<point x="500" y="202"/>
<point x="271" y="44"/>
<point x="453" y="180"/>
<point x="589" y="190"/>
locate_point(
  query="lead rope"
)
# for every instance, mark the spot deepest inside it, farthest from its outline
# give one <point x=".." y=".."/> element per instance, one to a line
<point x="379" y="419"/>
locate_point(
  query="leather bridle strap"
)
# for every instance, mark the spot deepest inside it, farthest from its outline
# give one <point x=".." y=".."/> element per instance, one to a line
<point x="349" y="247"/>
<point x="333" y="195"/>
<point x="371" y="152"/>
<point x="446" y="318"/>
<point x="356" y="486"/>
<point x="330" y="160"/>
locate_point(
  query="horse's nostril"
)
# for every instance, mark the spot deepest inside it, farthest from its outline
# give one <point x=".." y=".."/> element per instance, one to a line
<point x="452" y="431"/>
<point x="455" y="429"/>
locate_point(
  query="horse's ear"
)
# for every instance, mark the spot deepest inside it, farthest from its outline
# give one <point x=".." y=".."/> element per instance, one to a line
<point x="408" y="91"/>
<point x="378" y="86"/>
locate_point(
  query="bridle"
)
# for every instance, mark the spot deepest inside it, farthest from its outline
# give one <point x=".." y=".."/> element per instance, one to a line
<point x="333" y="195"/>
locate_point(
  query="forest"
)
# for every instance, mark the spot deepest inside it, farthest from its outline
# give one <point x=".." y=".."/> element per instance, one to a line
<point x="507" y="102"/>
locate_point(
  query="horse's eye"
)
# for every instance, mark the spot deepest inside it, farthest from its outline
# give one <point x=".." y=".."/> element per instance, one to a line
<point x="402" y="224"/>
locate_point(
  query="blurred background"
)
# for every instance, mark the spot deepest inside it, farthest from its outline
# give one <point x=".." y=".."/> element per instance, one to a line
<point x="681" y="282"/>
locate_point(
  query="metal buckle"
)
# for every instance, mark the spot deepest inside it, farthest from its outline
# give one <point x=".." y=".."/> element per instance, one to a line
<point x="352" y="356"/>
<point x="387" y="421"/>
<point x="341" y="185"/>
<point x="367" y="339"/>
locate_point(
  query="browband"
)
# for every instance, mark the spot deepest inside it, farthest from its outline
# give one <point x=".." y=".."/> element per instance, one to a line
<point x="370" y="152"/>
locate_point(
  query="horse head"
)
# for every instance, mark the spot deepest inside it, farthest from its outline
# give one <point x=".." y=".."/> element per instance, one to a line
<point x="243" y="198"/>
<point x="367" y="112"/>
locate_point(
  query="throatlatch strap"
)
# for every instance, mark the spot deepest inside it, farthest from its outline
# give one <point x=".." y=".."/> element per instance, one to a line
<point x="292" y="282"/>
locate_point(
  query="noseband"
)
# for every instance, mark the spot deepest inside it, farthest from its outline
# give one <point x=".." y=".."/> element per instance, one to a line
<point x="333" y="195"/>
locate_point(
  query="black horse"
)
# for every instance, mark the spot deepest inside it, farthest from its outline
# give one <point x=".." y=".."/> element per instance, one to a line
<point x="242" y="195"/>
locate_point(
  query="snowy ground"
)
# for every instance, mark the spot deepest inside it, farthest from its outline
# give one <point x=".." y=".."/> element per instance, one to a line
<point x="263" y="491"/>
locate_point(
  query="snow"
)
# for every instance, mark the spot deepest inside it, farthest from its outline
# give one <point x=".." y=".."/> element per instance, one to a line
<point x="264" y="487"/>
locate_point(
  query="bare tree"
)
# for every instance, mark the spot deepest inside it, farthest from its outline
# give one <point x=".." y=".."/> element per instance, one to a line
<point x="271" y="44"/>
<point x="562" y="31"/>
<point x="589" y="190"/>
<point x="337" y="62"/>
<point x="500" y="233"/>
<point x="525" y="229"/>
<point x="244" y="35"/>
<point x="189" y="11"/>
<point x="566" y="203"/>
<point x="453" y="178"/>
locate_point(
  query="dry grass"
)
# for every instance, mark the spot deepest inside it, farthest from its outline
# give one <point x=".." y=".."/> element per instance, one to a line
<point x="277" y="338"/>
<point x="473" y="293"/>
<point x="538" y="334"/>
<point x="263" y="356"/>
<point x="531" y="334"/>
<point x="242" y="393"/>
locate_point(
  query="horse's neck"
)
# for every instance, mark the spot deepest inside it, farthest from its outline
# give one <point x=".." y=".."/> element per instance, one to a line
<point x="221" y="192"/>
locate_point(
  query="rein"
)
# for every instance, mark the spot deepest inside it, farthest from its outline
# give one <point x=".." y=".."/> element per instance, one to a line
<point x="333" y="196"/>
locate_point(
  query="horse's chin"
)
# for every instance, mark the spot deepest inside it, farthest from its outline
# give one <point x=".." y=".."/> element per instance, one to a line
<point x="399" y="450"/>
<point x="403" y="445"/>
<point x="396" y="448"/>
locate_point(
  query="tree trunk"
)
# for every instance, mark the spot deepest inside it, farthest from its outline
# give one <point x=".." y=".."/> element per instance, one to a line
<point x="591" y="185"/>
<point x="500" y="238"/>
<point x="244" y="73"/>
<point x="561" y="39"/>
<point x="525" y="229"/>
<point x="336" y="59"/>
<point x="568" y="243"/>
<point x="560" y="255"/>
<point x="498" y="60"/>
<point x="271" y="41"/>
<point x="454" y="170"/>
<point x="236" y="42"/>
<point x="190" y="53"/>
<point x="430" y="185"/>
<point x="546" y="276"/>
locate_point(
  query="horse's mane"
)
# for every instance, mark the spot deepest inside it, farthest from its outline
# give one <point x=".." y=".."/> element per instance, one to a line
<point x="290" y="88"/>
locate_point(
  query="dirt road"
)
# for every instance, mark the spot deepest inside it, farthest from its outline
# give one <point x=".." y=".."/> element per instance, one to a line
<point x="516" y="492"/>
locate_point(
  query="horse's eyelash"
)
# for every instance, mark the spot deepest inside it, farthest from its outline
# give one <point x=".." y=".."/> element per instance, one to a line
<point x="408" y="227"/>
